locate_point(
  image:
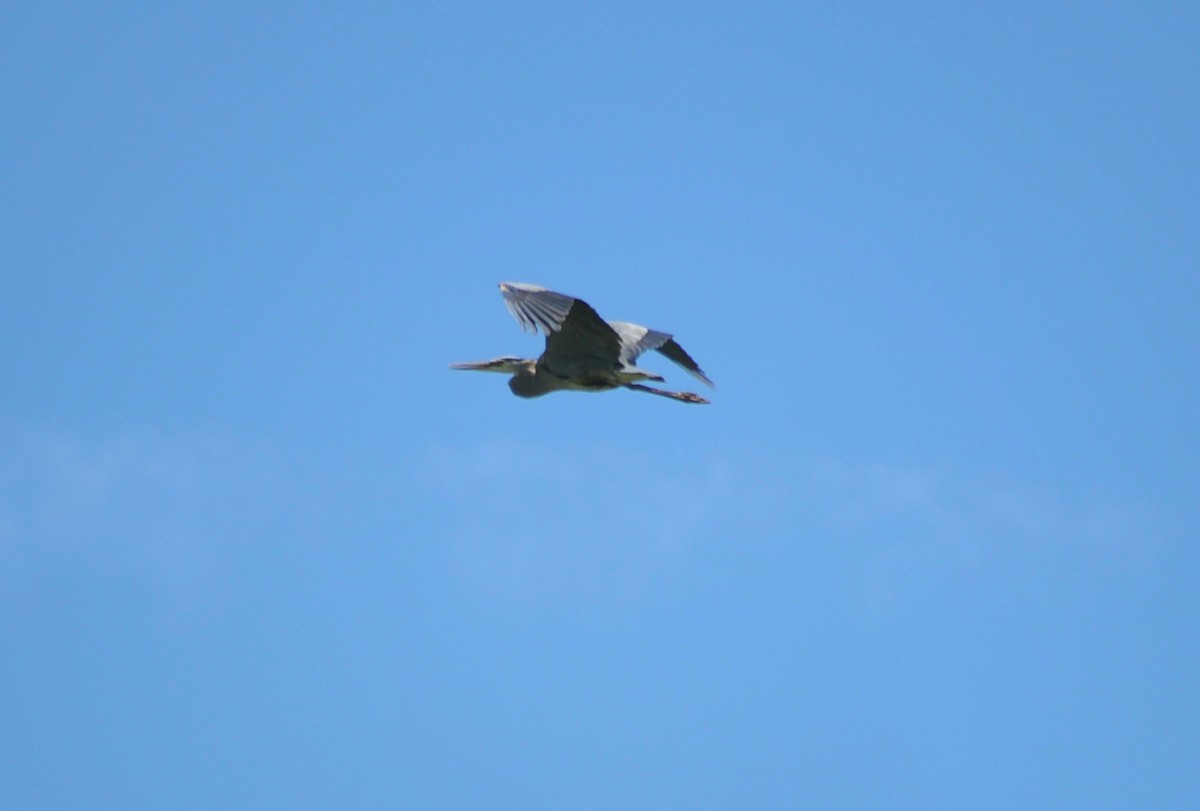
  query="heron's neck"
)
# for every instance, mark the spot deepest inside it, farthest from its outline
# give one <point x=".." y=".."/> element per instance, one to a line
<point x="526" y="382"/>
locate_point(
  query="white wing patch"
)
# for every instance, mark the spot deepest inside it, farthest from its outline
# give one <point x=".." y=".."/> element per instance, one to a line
<point x="636" y="339"/>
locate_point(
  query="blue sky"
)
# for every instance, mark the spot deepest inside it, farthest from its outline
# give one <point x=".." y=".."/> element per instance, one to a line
<point x="934" y="544"/>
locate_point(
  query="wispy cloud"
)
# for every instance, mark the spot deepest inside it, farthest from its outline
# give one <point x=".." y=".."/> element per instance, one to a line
<point x="911" y="525"/>
<point x="958" y="506"/>
<point x="118" y="504"/>
<point x="528" y="518"/>
<point x="529" y="521"/>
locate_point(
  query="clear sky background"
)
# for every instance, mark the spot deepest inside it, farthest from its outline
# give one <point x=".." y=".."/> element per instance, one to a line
<point x="933" y="545"/>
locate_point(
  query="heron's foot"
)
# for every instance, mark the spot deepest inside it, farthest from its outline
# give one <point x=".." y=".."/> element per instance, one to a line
<point x="681" y="396"/>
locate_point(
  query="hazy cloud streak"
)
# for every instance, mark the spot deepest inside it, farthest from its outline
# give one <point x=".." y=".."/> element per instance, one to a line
<point x="526" y="518"/>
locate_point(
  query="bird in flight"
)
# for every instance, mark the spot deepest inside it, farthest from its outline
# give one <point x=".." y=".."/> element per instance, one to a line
<point x="583" y="351"/>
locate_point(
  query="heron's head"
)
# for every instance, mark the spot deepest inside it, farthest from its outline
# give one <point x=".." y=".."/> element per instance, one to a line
<point x="505" y="365"/>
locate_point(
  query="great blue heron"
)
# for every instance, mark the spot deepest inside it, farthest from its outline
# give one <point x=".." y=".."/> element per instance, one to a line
<point x="583" y="351"/>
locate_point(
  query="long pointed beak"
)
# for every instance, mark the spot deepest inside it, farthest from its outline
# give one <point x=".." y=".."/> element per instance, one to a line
<point x="503" y="365"/>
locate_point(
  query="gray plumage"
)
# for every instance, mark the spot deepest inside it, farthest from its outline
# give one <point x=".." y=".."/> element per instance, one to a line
<point x="583" y="351"/>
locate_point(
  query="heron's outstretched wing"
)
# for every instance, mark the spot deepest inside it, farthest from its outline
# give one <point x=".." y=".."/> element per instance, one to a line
<point x="536" y="307"/>
<point x="636" y="339"/>
<point x="572" y="328"/>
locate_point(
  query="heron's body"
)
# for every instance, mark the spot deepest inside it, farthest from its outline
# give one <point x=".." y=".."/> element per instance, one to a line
<point x="583" y="351"/>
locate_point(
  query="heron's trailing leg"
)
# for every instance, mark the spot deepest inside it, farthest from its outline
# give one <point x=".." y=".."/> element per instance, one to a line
<point x="682" y="396"/>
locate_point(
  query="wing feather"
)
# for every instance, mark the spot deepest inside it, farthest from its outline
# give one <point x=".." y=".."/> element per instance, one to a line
<point x="636" y="339"/>
<point x="536" y="307"/>
<point x="574" y="331"/>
